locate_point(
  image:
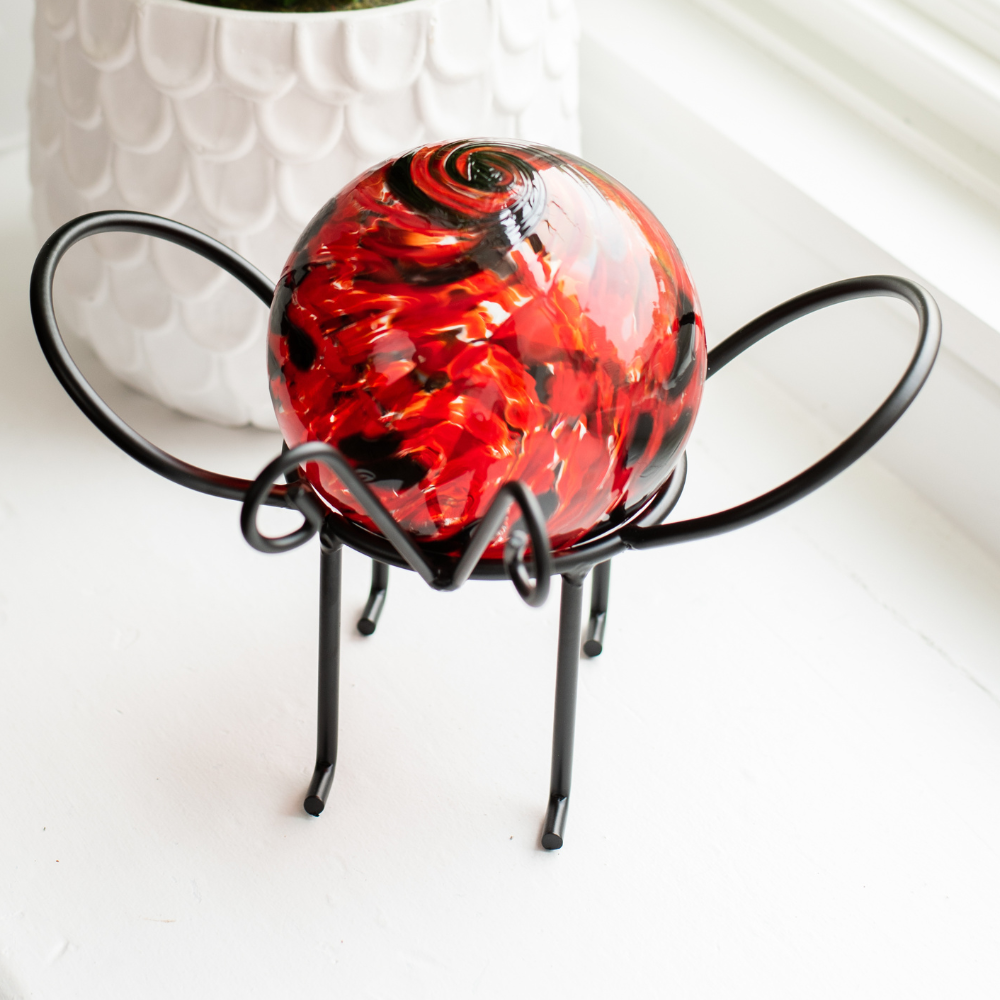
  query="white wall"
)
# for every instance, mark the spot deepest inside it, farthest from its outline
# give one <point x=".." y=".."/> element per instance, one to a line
<point x="15" y="69"/>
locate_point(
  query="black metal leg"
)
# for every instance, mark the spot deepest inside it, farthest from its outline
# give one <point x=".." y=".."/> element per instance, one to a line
<point x="570" y="615"/>
<point x="593" y="644"/>
<point x="329" y="677"/>
<point x="376" y="598"/>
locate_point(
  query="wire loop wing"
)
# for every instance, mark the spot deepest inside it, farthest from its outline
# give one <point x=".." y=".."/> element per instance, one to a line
<point x="81" y="392"/>
<point x="852" y="448"/>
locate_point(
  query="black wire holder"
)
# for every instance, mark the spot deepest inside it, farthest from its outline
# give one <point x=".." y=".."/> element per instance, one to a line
<point x="642" y="529"/>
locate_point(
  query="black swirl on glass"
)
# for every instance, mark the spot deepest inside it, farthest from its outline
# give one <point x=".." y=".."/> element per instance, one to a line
<point x="301" y="347"/>
<point x="301" y="251"/>
<point x="686" y="357"/>
<point x="379" y="461"/>
<point x="667" y="453"/>
<point x="639" y="441"/>
<point x="468" y="167"/>
<point x="446" y="274"/>
<point x="400" y="179"/>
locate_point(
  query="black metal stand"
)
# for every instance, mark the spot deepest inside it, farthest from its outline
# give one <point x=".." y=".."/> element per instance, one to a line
<point x="328" y="694"/>
<point x="600" y="587"/>
<point x="390" y="546"/>
<point x="376" y="598"/>
<point x="564" y="721"/>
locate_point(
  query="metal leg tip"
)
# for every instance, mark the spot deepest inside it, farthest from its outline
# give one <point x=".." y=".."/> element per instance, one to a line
<point x="592" y="648"/>
<point x="319" y="788"/>
<point x="313" y="805"/>
<point x="555" y="823"/>
<point x="366" y="626"/>
<point x="551" y="841"/>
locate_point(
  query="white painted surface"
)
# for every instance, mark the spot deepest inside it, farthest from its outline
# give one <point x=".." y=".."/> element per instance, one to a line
<point x="788" y="760"/>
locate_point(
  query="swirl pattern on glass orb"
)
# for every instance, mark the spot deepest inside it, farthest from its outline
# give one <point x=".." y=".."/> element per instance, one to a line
<point x="477" y="312"/>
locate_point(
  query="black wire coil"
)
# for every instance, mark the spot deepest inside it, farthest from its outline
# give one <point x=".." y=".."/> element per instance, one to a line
<point x="393" y="546"/>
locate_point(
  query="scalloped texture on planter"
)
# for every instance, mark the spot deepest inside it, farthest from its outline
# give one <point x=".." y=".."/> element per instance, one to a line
<point x="243" y="125"/>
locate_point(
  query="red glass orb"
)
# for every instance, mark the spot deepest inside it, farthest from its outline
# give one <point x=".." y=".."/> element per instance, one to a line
<point x="477" y="312"/>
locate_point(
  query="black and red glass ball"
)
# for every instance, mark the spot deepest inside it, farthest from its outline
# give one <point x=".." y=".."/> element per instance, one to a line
<point x="483" y="311"/>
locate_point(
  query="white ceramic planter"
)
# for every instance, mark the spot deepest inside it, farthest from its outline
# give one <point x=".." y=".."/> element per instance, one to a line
<point x="243" y="125"/>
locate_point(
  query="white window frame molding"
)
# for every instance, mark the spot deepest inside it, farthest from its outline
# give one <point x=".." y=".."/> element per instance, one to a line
<point x="977" y="21"/>
<point x="911" y="69"/>
<point x="932" y="223"/>
<point x="762" y="146"/>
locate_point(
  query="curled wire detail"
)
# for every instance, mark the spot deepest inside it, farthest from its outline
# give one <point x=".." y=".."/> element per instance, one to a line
<point x="300" y="496"/>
